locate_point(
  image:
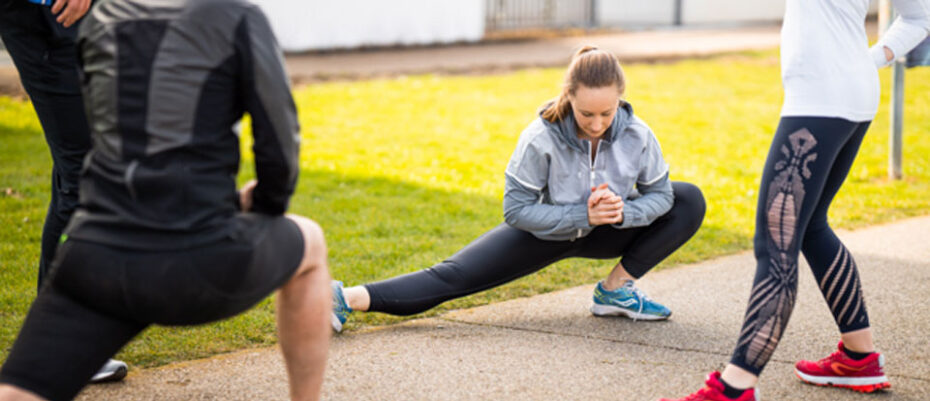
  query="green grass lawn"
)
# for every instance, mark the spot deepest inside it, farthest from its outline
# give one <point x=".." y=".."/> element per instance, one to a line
<point x="403" y="172"/>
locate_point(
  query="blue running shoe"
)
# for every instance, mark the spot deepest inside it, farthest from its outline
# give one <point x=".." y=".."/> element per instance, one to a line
<point x="627" y="301"/>
<point x="341" y="309"/>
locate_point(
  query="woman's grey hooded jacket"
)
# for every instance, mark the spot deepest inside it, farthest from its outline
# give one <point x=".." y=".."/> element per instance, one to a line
<point x="550" y="176"/>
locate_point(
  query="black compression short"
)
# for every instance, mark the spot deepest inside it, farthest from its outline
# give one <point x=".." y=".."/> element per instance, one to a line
<point x="98" y="297"/>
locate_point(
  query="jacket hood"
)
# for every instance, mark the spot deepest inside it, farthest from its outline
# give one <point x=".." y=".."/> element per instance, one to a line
<point x="566" y="129"/>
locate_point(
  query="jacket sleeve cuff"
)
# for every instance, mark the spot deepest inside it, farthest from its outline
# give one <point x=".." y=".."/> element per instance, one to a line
<point x="878" y="55"/>
<point x="630" y="219"/>
<point x="578" y="215"/>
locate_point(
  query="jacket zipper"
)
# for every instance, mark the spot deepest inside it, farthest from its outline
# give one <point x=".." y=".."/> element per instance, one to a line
<point x="591" y="166"/>
<point x="591" y="161"/>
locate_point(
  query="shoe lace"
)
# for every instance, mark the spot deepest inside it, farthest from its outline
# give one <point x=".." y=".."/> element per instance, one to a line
<point x="836" y="355"/>
<point x="641" y="297"/>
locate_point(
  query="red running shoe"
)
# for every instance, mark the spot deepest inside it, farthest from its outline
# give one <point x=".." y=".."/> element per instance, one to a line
<point x="839" y="370"/>
<point x="713" y="391"/>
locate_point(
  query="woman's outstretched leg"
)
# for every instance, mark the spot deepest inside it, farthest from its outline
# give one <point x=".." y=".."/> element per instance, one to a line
<point x="497" y="257"/>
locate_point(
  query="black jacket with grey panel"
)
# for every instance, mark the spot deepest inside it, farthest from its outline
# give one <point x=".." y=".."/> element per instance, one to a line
<point x="165" y="84"/>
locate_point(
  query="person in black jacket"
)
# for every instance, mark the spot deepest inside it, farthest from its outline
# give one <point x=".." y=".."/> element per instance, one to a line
<point x="41" y="40"/>
<point x="162" y="236"/>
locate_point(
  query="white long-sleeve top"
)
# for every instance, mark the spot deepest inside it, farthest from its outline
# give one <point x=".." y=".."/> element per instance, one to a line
<point x="827" y="67"/>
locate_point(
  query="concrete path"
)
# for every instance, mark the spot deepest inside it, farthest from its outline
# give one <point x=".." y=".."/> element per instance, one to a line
<point x="500" y="55"/>
<point x="545" y="52"/>
<point x="548" y="347"/>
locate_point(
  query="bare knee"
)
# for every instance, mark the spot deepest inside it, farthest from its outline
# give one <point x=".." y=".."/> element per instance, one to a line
<point x="314" y="257"/>
<point x="10" y="393"/>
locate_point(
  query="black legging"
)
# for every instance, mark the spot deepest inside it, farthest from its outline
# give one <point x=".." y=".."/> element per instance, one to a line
<point x="506" y="253"/>
<point x="807" y="163"/>
<point x="46" y="56"/>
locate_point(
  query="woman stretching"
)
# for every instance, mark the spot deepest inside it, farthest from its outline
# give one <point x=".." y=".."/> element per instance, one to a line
<point x="831" y="95"/>
<point x="587" y="179"/>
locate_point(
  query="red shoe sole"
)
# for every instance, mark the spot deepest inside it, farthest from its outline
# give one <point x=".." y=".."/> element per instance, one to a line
<point x="862" y="389"/>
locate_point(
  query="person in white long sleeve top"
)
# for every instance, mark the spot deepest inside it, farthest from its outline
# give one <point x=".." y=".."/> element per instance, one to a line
<point x="828" y="69"/>
<point x="830" y="76"/>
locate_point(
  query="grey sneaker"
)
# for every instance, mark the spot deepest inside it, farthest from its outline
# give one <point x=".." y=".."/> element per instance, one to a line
<point x="112" y="371"/>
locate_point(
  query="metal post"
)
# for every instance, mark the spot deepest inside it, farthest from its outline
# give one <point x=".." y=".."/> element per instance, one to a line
<point x="548" y="14"/>
<point x="895" y="138"/>
<point x="592" y="14"/>
<point x="678" y="12"/>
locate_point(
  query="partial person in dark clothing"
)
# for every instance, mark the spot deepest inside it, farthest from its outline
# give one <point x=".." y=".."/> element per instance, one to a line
<point x="162" y="236"/>
<point x="587" y="179"/>
<point x="45" y="54"/>
<point x="41" y="40"/>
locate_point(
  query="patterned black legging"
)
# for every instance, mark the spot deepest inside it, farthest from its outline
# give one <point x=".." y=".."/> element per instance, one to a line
<point x="807" y="163"/>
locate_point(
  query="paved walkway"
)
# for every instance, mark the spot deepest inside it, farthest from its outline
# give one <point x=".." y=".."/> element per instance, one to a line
<point x="548" y="347"/>
<point x="547" y="52"/>
<point x="501" y="55"/>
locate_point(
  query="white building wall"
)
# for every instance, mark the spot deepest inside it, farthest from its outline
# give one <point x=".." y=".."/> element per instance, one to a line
<point x="633" y="13"/>
<point x="568" y="13"/>
<point x="327" y="24"/>
<point x="639" y="13"/>
<point x="730" y="11"/>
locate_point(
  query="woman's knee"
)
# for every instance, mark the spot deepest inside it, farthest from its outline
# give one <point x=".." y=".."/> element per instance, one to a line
<point x="689" y="202"/>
